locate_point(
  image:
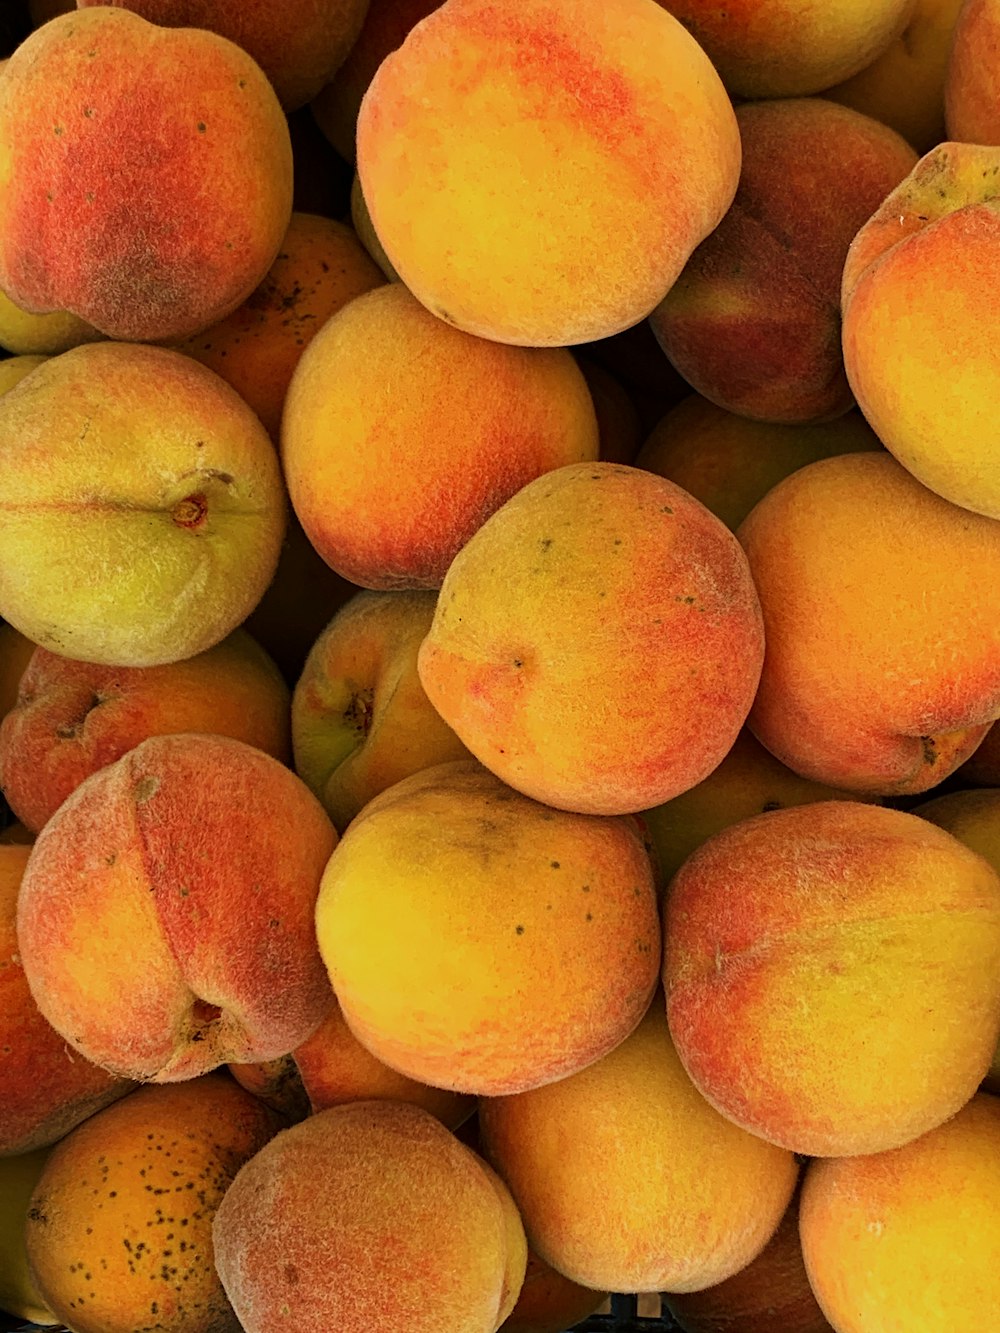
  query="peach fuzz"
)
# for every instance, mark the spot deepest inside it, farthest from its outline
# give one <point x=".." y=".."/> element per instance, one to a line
<point x="163" y="153"/>
<point x="832" y="974"/>
<point x="320" y="267"/>
<point x="19" y="1295"/>
<point x="142" y="503"/>
<point x="729" y="462"/>
<point x="753" y="321"/>
<point x="183" y="877"/>
<point x="401" y="435"/>
<point x="616" y="663"/>
<point x="73" y="718"/>
<point x="119" y="1230"/>
<point x="972" y="88"/>
<point x="853" y="561"/>
<point x="785" y="48"/>
<point x="520" y="944"/>
<point x="909" y="1239"/>
<point x="369" y="1218"/>
<point x="47" y="1087"/>
<point x="549" y="1302"/>
<point x="919" y="327"/>
<point x="530" y="174"/>
<point x="664" y="1194"/>
<point x="360" y="718"/>
<point x="299" y="44"/>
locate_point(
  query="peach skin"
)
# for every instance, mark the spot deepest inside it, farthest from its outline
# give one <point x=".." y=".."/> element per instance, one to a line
<point x="832" y="974"/>
<point x="26" y="334"/>
<point x="853" y="560"/>
<point x="972" y="88"/>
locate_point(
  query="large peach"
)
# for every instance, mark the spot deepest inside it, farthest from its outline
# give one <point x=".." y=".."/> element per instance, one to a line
<point x="401" y="435"/>
<point x="532" y="175"/>
<point x="165" y="919"/>
<point x="480" y="941"/>
<point x="881" y="607"/>
<point x="142" y="503"/>
<point x="833" y="975"/>
<point x="612" y="663"/>
<point x="369" y="1218"/>
<point x="146" y="174"/>
<point x="753" y="321"/>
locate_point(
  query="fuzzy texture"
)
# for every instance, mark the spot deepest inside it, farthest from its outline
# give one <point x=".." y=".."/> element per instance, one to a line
<point x="480" y="941"/>
<point x="533" y="176"/>
<point x="613" y="664"/>
<point x="972" y="85"/>
<point x="402" y="435"/>
<point x="162" y="879"/>
<point x="368" y="1218"/>
<point x="146" y="174"/>
<point x="628" y="1180"/>
<point x="833" y="975"/>
<point x="142" y="504"/>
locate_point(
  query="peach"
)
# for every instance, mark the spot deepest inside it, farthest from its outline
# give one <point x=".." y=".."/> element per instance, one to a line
<point x="119" y="1230"/>
<point x="549" y="1302"/>
<point x="321" y="266"/>
<point x="372" y="1217"/>
<point x="401" y="435"/>
<point x="47" y="1087"/>
<point x="532" y="176"/>
<point x="277" y="1084"/>
<point x="146" y="174"/>
<point x="142" y="503"/>
<point x="614" y="663"/>
<point x="618" y="426"/>
<point x="628" y="1180"/>
<point x="729" y="462"/>
<point x="14" y="369"/>
<point x="26" y="334"/>
<point x="18" y="1293"/>
<point x="482" y="942"/>
<point x="909" y="1238"/>
<point x="362" y="223"/>
<point x="919" y="326"/>
<point x="832" y="974"/>
<point x="360" y="718"/>
<point x="299" y="44"/>
<point x="971" y="88"/>
<point x="15" y="654"/>
<point x="72" y="718"/>
<point x="785" y="48"/>
<point x="165" y="919"/>
<point x="853" y="561"/>
<point x="753" y="321"/>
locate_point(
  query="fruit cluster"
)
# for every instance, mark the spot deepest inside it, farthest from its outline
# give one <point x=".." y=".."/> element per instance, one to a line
<point x="500" y="650"/>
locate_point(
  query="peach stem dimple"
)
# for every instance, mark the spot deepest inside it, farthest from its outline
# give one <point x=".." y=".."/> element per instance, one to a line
<point x="191" y="511"/>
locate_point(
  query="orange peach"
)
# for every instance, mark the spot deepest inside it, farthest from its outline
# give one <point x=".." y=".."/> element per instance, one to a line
<point x="532" y="176"/>
<point x="146" y="174"/>
<point x="627" y="1179"/>
<point x="729" y="462"/>
<point x="142" y="502"/>
<point x="72" y="718"/>
<point x="919" y="325"/>
<point x="753" y="321"/>
<point x="119" y="1229"/>
<point x="613" y="664"/>
<point x="360" y="718"/>
<point x="165" y="919"/>
<point x="833" y="975"/>
<point x="277" y="1084"/>
<point x="482" y="942"/>
<point x="369" y="1217"/>
<point x="909" y="1238"/>
<point x="853" y="561"/>
<point x="972" y="88"/>
<point x="321" y="266"/>
<point x="401" y="435"/>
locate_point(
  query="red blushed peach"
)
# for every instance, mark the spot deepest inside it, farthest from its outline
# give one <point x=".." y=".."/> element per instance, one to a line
<point x="165" y="920"/>
<point x="853" y="560"/>
<point x="530" y="173"/>
<point x="833" y="975"/>
<point x="72" y="718"/>
<point x="146" y="174"/>
<point x="47" y="1087"/>
<point x="480" y="941"/>
<point x="401" y="435"/>
<point x="368" y="1218"/>
<point x="753" y="321"/>
<point x="613" y="664"/>
<point x="971" y="87"/>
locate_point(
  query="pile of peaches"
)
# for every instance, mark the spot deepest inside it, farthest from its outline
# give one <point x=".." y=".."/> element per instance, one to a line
<point x="500" y="649"/>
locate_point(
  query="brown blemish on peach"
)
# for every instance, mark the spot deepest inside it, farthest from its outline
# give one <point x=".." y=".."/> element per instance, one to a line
<point x="191" y="511"/>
